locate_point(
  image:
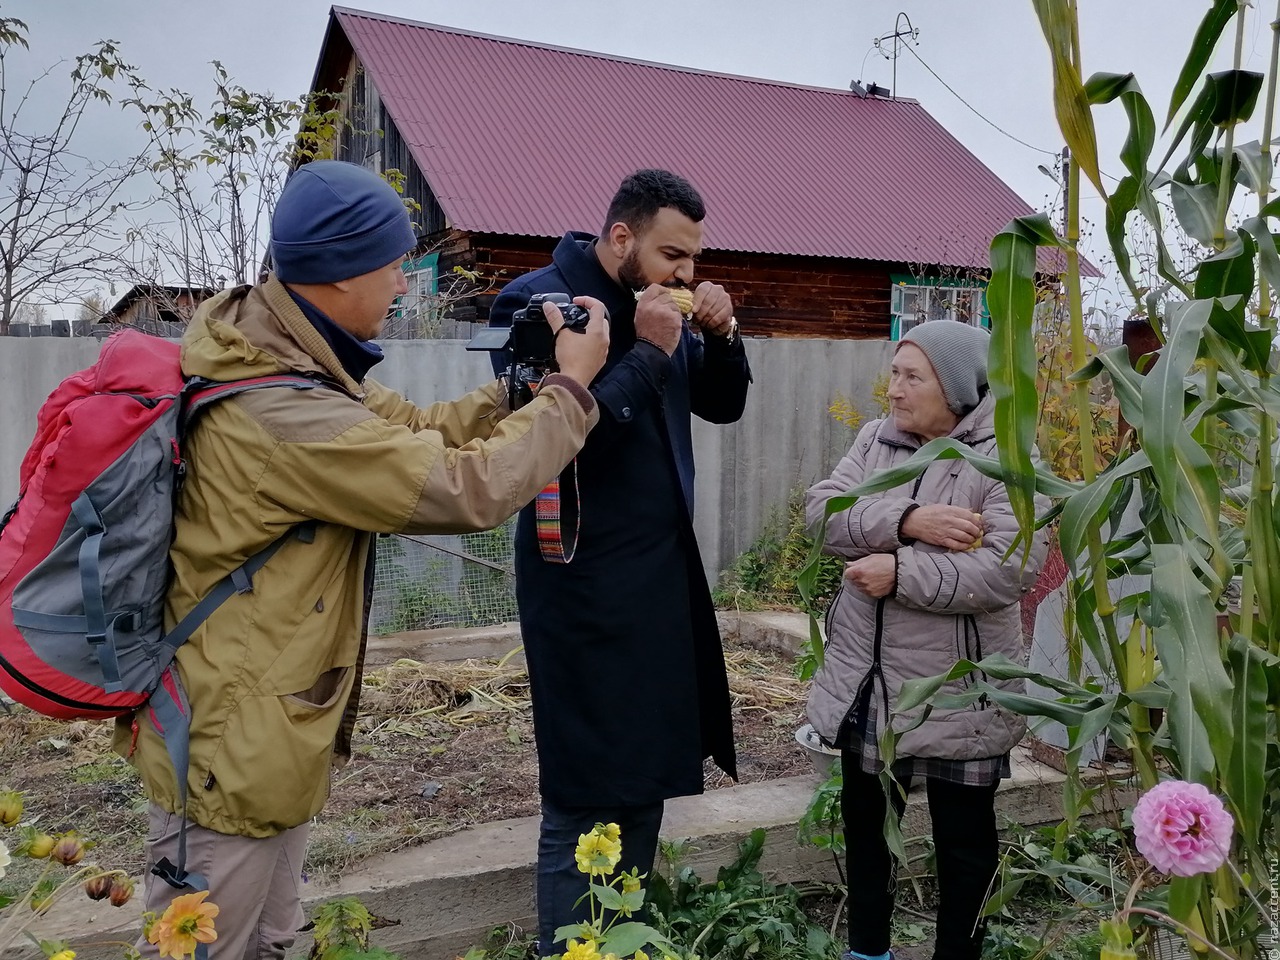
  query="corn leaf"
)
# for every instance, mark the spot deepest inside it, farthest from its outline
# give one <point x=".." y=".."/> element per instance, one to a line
<point x="1246" y="774"/>
<point x="1251" y="343"/>
<point x="1164" y="398"/>
<point x="1268" y="259"/>
<point x="1103" y="88"/>
<point x="1088" y="508"/>
<point x="1122" y="202"/>
<point x="1126" y="382"/>
<point x="1165" y="264"/>
<point x="1265" y="556"/>
<point x="1094" y="722"/>
<point x="1229" y="273"/>
<point x="1253" y="167"/>
<point x="1070" y="101"/>
<point x="1184" y="898"/>
<point x="1195" y="205"/>
<point x="1206" y="38"/>
<point x="1197" y="120"/>
<point x="1011" y="297"/>
<point x="1186" y="636"/>
<point x="1235" y="94"/>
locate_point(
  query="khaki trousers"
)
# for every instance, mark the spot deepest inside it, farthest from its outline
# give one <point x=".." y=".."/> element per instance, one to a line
<point x="256" y="883"/>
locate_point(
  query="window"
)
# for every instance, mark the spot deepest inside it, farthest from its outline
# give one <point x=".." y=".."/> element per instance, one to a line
<point x="415" y="312"/>
<point x="913" y="301"/>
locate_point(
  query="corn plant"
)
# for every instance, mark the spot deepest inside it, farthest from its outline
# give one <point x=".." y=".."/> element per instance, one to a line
<point x="1197" y="674"/>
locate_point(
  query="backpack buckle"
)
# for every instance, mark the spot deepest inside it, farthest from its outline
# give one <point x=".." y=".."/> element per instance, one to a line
<point x="167" y="871"/>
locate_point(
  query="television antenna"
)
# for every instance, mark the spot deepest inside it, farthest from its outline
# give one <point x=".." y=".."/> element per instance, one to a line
<point x="900" y="35"/>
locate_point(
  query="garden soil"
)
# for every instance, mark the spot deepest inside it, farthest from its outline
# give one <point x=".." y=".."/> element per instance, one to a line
<point x="439" y="747"/>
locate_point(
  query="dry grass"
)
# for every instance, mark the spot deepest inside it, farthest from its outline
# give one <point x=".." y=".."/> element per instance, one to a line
<point x="439" y="747"/>
<point x="757" y="683"/>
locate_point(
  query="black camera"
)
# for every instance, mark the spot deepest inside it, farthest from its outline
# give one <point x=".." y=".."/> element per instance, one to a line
<point x="530" y="343"/>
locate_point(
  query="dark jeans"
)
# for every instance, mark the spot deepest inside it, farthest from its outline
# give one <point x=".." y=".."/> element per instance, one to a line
<point x="561" y="883"/>
<point x="967" y="851"/>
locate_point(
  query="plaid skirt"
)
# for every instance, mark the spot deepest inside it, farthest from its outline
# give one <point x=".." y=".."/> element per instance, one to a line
<point x="864" y="742"/>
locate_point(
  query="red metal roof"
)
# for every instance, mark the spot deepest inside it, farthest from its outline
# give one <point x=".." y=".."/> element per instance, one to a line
<point x="523" y="138"/>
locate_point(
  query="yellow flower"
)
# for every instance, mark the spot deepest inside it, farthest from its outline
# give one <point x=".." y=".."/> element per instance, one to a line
<point x="187" y="921"/>
<point x="581" y="951"/>
<point x="610" y="830"/>
<point x="630" y="884"/>
<point x="597" y="854"/>
<point x="63" y="955"/>
<point x="640" y="955"/>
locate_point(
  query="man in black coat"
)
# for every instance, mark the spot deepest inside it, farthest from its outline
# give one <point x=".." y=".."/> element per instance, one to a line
<point x="625" y="663"/>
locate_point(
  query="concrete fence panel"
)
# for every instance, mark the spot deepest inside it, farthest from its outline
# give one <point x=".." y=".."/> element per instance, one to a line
<point x="786" y="438"/>
<point x="29" y="370"/>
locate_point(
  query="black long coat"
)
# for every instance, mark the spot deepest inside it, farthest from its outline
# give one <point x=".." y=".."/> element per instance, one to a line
<point x="625" y="663"/>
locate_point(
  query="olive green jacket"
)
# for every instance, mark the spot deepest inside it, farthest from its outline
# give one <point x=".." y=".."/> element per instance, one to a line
<point x="273" y="677"/>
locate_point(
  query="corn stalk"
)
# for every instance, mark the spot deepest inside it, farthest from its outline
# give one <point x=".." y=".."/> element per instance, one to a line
<point x="1197" y="683"/>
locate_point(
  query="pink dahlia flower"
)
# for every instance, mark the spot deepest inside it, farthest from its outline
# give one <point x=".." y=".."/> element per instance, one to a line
<point x="1182" y="828"/>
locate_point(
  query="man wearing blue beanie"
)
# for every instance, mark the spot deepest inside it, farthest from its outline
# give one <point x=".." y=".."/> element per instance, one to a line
<point x="272" y="677"/>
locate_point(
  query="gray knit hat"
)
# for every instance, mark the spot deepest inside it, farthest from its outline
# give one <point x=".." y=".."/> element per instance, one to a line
<point x="958" y="353"/>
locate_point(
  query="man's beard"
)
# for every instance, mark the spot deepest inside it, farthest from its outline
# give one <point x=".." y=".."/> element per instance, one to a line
<point x="629" y="273"/>
<point x="632" y="277"/>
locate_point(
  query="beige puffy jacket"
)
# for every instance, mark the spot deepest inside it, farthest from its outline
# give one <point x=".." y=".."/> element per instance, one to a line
<point x="946" y="606"/>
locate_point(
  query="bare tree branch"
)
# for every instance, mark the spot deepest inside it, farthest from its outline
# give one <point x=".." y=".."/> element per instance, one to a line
<point x="60" y="227"/>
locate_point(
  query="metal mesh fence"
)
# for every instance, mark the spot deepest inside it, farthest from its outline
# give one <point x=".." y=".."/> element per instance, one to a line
<point x="462" y="581"/>
<point x="1166" y="945"/>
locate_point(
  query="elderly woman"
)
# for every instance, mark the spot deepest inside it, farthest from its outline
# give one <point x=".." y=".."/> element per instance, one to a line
<point x="927" y="584"/>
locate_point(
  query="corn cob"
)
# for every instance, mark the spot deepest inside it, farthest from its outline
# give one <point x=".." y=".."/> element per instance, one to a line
<point x="977" y="518"/>
<point x="683" y="297"/>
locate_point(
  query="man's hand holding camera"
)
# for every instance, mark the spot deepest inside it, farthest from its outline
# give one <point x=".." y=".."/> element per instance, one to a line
<point x="580" y="352"/>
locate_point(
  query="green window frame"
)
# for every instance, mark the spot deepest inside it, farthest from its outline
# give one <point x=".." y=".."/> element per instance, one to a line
<point x="423" y="279"/>
<point x="914" y="300"/>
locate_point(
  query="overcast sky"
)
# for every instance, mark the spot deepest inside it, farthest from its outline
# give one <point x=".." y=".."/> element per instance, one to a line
<point x="990" y="52"/>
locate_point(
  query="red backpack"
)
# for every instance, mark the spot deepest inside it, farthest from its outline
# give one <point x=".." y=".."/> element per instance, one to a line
<point x="84" y="551"/>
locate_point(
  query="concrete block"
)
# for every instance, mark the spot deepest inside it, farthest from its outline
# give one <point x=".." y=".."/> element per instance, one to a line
<point x="781" y="632"/>
<point x="444" y="896"/>
<point x="447" y="643"/>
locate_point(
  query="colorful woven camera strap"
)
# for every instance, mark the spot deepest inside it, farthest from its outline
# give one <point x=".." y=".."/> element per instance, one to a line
<point x="557" y="510"/>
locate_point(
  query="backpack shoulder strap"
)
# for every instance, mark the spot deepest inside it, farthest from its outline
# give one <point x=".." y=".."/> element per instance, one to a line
<point x="171" y="710"/>
<point x="200" y="394"/>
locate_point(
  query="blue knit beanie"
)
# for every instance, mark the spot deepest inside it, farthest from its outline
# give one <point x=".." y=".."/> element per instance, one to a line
<point x="337" y="220"/>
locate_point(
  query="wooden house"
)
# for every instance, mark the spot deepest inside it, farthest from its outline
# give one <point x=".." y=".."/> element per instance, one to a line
<point x="831" y="213"/>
